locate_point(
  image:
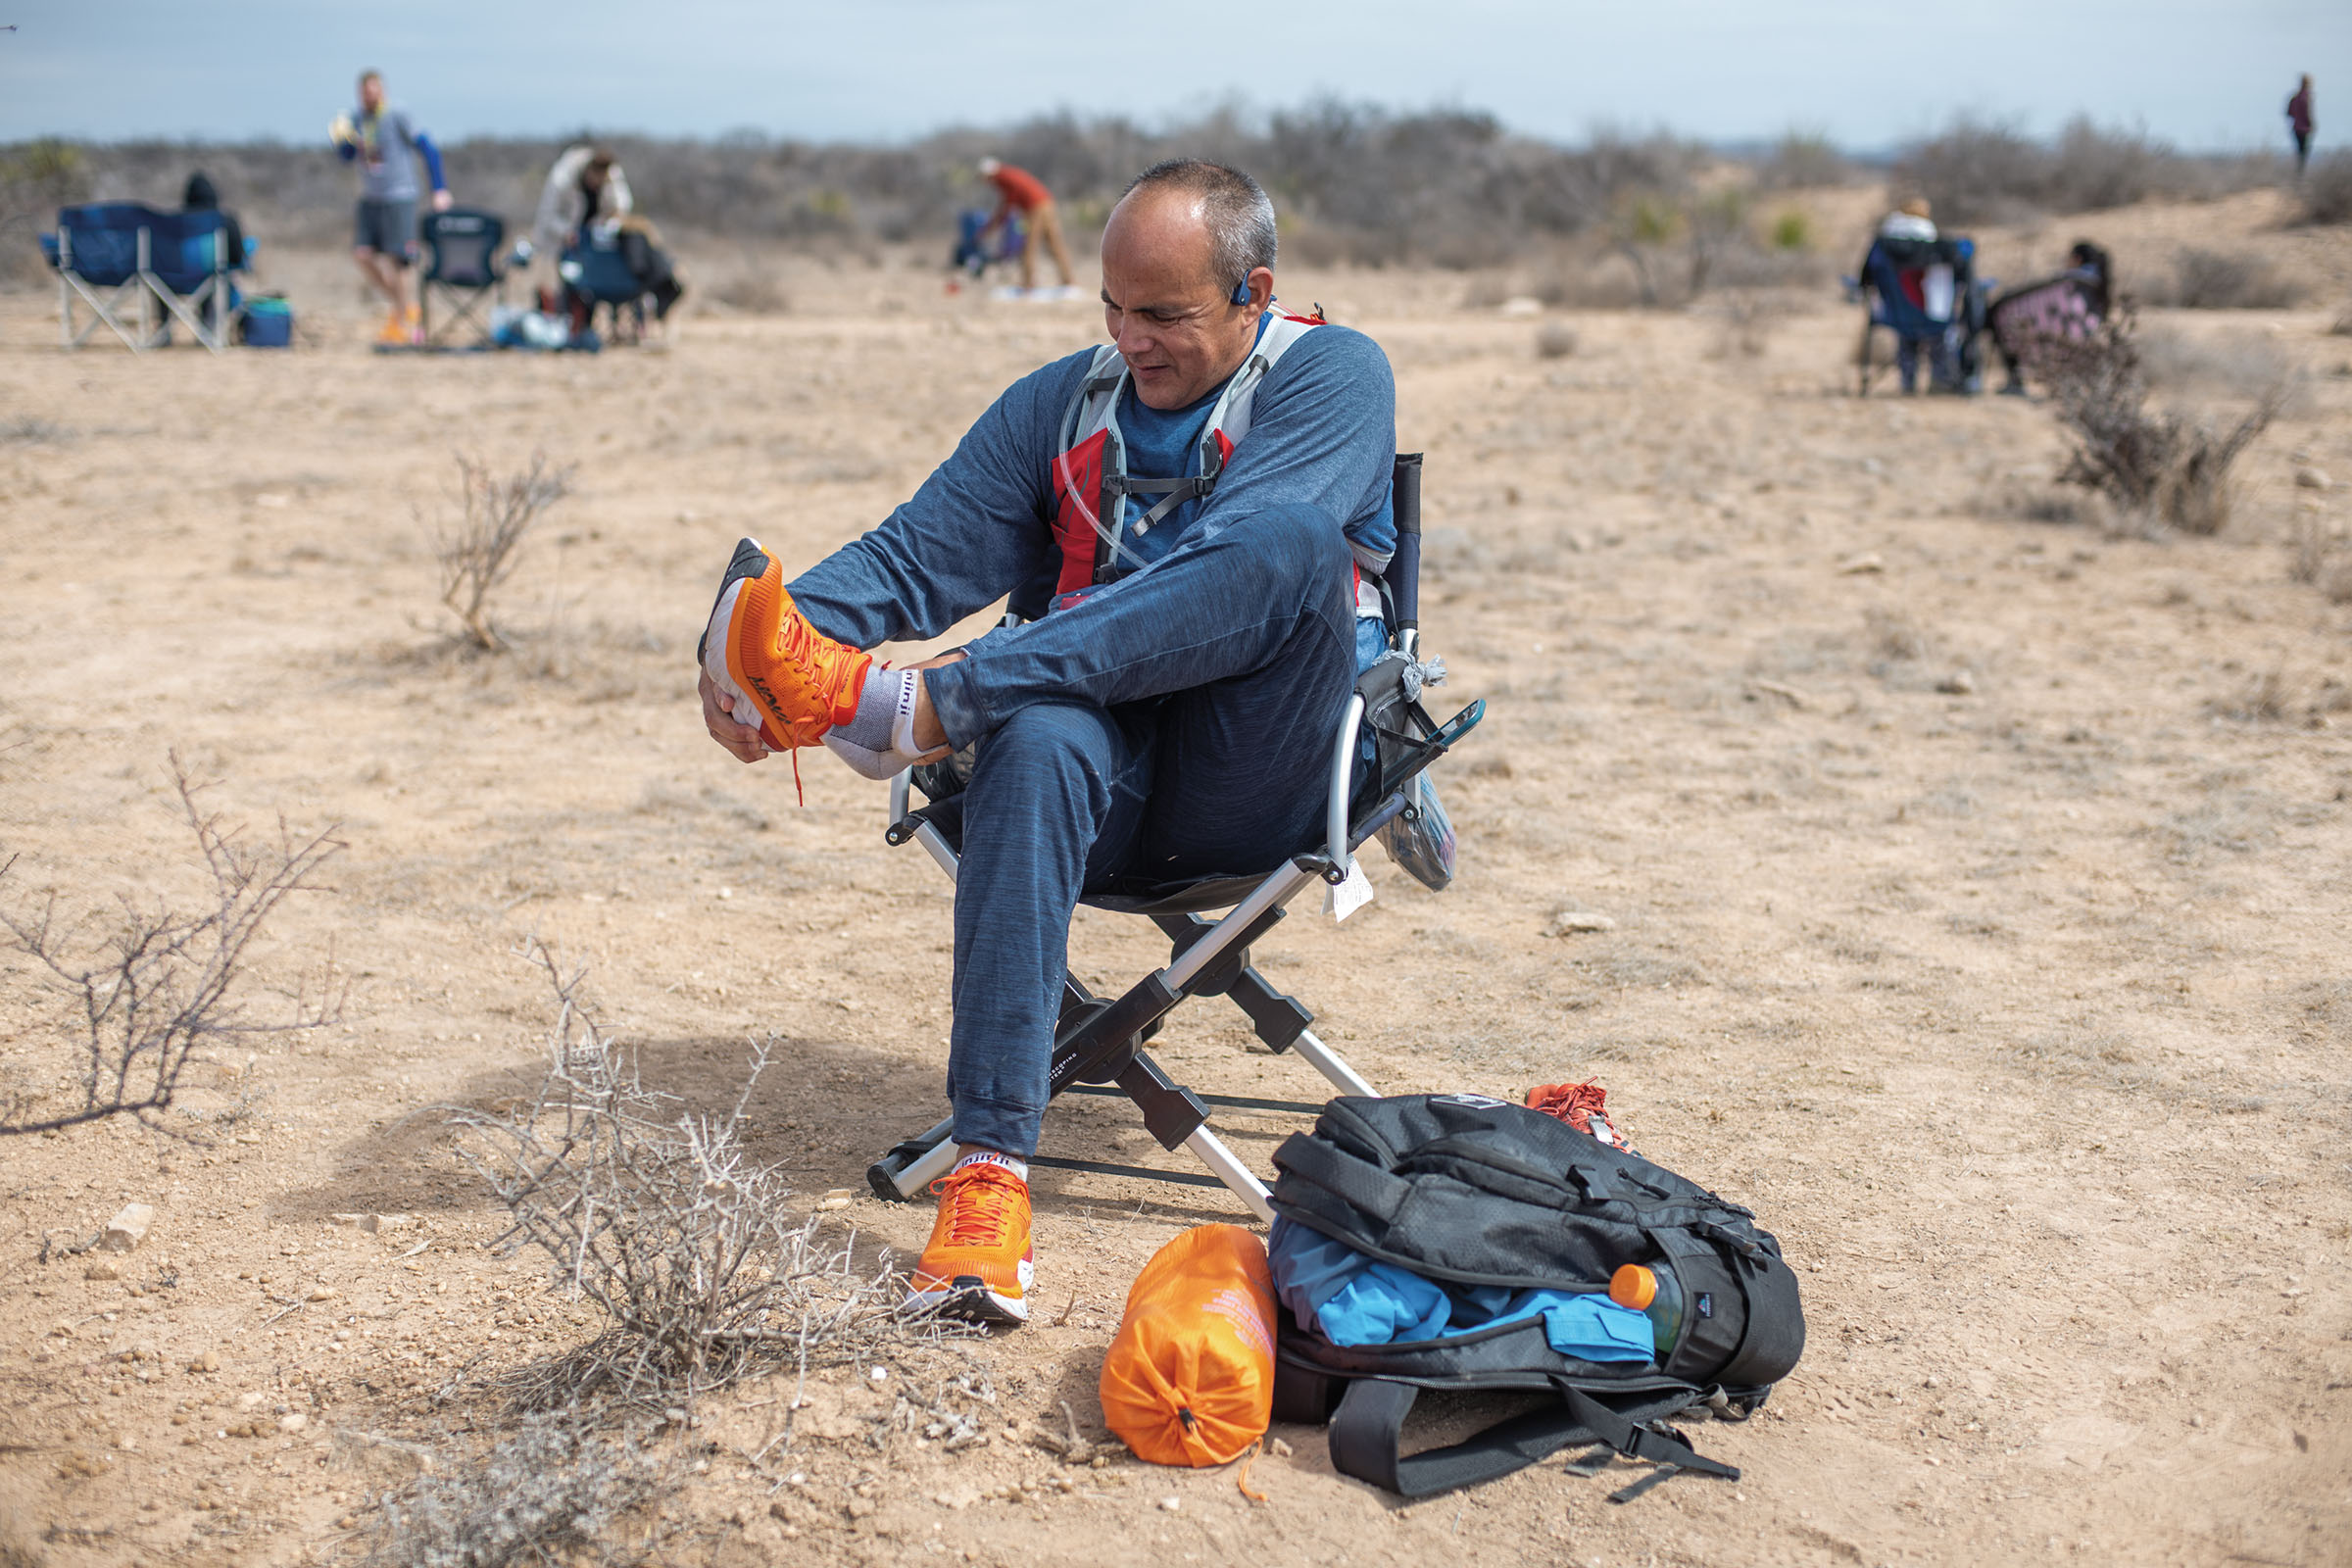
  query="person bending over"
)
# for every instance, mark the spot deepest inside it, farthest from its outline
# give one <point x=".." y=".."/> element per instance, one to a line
<point x="382" y="142"/>
<point x="1184" y="513"/>
<point x="586" y="200"/>
<point x="1020" y="191"/>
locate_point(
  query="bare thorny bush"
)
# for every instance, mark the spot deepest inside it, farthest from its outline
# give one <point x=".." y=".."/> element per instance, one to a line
<point x="480" y="551"/>
<point x="162" y="987"/>
<point x="2170" y="469"/>
<point x="659" y="1218"/>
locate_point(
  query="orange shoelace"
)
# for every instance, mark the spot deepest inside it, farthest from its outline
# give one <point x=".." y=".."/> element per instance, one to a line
<point x="981" y="1205"/>
<point x="826" y="665"/>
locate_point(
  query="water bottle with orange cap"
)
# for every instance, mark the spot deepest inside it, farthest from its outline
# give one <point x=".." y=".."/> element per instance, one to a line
<point x="1657" y="1295"/>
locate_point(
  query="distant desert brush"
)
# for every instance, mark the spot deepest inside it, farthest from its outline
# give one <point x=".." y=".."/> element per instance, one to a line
<point x="481" y="549"/>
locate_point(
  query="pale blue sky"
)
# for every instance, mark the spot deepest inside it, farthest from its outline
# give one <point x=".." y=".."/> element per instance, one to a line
<point x="2200" y="72"/>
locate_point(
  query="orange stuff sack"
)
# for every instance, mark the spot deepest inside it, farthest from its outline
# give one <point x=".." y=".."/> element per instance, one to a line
<point x="1190" y="1378"/>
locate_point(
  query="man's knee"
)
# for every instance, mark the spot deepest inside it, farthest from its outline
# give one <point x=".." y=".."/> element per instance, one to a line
<point x="1059" y="741"/>
<point x="1298" y="537"/>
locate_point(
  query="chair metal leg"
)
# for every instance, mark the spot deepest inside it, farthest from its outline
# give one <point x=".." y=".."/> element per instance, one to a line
<point x="1211" y="1151"/>
<point x="1326" y="1061"/>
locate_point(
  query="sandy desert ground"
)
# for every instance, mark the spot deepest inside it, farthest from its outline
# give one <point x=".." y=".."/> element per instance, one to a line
<point x="1980" y="888"/>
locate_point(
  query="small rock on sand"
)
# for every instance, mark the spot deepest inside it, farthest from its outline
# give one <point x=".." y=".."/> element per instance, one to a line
<point x="128" y="1228"/>
<point x="1867" y="561"/>
<point x="1570" y="921"/>
<point x="1959" y="683"/>
<point x="206" y="1362"/>
<point x="2311" y="478"/>
<point x="101" y="1270"/>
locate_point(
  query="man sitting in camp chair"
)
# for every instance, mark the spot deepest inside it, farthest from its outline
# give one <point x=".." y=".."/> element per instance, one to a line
<point x="1183" y="514"/>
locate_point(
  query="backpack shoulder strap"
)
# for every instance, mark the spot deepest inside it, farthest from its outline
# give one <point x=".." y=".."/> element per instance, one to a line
<point x="1096" y="398"/>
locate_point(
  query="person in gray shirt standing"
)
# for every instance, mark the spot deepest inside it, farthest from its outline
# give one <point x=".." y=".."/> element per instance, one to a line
<point x="384" y="233"/>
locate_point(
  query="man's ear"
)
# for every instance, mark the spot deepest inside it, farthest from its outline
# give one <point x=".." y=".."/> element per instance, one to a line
<point x="1262" y="288"/>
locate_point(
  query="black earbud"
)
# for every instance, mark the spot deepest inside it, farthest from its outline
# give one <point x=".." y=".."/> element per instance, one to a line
<point x="1241" y="292"/>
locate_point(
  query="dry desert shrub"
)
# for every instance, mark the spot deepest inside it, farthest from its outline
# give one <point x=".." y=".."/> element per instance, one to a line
<point x="1748" y="320"/>
<point x="1804" y="159"/>
<point x="165" y="985"/>
<point x="1355" y="182"/>
<point x="748" y="283"/>
<point x="36" y="178"/>
<point x="2227" y="280"/>
<point x="1555" y="340"/>
<point x="660" y="1219"/>
<point x="480" y="550"/>
<point x="552" y="1493"/>
<point x="2327" y="188"/>
<point x="2168" y="467"/>
<point x="1980" y="171"/>
<point x="2322" y="556"/>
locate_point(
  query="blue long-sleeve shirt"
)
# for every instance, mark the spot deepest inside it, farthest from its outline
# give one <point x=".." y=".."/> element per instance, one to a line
<point x="1322" y="431"/>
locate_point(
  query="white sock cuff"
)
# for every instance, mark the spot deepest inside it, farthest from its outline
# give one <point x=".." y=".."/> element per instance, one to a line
<point x="902" y="726"/>
<point x="990" y="1156"/>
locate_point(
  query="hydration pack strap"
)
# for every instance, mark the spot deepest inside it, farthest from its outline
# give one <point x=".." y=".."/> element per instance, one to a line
<point x="1176" y="493"/>
<point x="1364" y="1433"/>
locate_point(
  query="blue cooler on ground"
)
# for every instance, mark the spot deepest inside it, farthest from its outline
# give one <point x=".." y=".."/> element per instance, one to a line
<point x="267" y="322"/>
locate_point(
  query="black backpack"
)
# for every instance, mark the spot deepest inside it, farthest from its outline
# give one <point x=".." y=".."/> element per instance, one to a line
<point x="1474" y="1190"/>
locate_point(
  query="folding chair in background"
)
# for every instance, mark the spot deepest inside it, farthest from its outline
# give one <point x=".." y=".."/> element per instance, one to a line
<point x="1384" y="743"/>
<point x="1926" y="292"/>
<point x="187" y="267"/>
<point x="595" y="273"/>
<point x="99" y="251"/>
<point x="465" y="258"/>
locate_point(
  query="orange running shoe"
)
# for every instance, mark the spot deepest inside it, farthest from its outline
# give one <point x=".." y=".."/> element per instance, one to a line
<point x="978" y="1263"/>
<point x="765" y="654"/>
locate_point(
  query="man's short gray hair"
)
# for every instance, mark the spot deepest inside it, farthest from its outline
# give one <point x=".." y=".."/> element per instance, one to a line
<point x="1239" y="218"/>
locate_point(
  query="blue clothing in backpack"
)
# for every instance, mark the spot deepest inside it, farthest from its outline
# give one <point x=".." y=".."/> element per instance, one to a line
<point x="1350" y="1298"/>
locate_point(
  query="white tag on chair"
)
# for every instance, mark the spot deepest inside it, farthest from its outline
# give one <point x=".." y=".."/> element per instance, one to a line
<point x="1349" y="896"/>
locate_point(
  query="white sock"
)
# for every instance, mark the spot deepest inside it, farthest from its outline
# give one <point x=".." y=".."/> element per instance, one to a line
<point x="989" y="1156"/>
<point x="878" y="741"/>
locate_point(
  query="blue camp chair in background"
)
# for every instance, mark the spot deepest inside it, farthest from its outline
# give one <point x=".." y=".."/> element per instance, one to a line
<point x="464" y="260"/>
<point x="595" y="273"/>
<point x="1926" y="292"/>
<point x="109" y="254"/>
<point x="973" y="255"/>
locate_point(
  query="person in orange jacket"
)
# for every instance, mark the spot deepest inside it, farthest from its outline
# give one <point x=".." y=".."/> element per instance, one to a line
<point x="1018" y="190"/>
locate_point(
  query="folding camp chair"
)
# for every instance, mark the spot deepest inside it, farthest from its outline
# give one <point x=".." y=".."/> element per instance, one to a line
<point x="595" y="273"/>
<point x="110" y="253"/>
<point x="1926" y="292"/>
<point x="188" y="266"/>
<point x="1385" y="740"/>
<point x="465" y="259"/>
